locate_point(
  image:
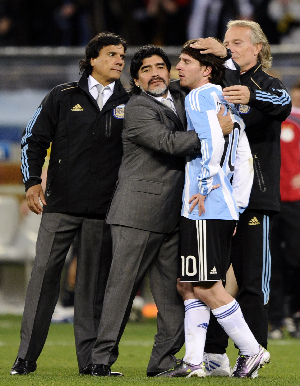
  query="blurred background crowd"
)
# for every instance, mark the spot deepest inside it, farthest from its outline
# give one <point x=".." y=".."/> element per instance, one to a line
<point x="163" y="22"/>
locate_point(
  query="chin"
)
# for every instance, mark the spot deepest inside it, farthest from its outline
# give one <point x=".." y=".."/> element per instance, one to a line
<point x="158" y="91"/>
<point x="182" y="83"/>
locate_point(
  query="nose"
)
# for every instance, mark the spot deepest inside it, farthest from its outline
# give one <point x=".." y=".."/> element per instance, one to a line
<point x="178" y="66"/>
<point x="230" y="46"/>
<point x="154" y="71"/>
<point x="120" y="60"/>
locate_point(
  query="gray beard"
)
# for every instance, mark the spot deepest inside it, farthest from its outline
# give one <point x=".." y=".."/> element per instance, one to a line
<point x="157" y="92"/>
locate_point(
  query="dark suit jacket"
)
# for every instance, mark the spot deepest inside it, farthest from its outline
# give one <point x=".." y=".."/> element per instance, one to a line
<point x="151" y="176"/>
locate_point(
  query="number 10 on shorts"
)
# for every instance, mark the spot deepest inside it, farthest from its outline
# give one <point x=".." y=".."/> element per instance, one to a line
<point x="188" y="266"/>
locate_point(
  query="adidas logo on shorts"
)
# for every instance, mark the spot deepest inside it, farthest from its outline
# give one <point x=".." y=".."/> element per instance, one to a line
<point x="213" y="271"/>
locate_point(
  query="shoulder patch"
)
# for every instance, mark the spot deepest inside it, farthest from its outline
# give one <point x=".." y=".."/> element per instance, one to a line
<point x="118" y="112"/>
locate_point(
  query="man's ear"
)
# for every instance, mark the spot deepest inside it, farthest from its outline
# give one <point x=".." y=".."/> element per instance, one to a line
<point x="207" y="71"/>
<point x="136" y="82"/>
<point x="258" y="48"/>
<point x="92" y="62"/>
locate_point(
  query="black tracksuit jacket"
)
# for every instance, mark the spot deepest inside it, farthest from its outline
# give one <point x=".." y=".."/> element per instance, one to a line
<point x="269" y="105"/>
<point x="86" y="148"/>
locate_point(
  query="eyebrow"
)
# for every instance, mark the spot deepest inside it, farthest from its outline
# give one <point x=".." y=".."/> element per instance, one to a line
<point x="115" y="52"/>
<point x="156" y="64"/>
<point x="234" y="40"/>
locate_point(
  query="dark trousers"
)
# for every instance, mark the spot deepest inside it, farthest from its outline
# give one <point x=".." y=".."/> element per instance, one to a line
<point x="56" y="235"/>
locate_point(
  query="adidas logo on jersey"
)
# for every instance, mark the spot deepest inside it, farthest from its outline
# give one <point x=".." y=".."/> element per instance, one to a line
<point x="77" y="108"/>
<point x="213" y="271"/>
<point x="254" y="221"/>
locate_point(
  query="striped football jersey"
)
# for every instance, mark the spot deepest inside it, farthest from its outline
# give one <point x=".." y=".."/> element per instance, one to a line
<point x="224" y="160"/>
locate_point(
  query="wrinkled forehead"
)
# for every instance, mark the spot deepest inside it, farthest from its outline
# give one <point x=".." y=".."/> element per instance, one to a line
<point x="113" y="48"/>
<point x="153" y="60"/>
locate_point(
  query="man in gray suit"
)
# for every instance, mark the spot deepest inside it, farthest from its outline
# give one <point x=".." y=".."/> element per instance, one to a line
<point x="145" y="212"/>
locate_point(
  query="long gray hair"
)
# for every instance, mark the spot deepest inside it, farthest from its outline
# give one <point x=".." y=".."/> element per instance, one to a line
<point x="257" y="36"/>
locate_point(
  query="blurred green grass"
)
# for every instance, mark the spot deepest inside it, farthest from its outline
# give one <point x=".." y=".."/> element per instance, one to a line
<point x="57" y="364"/>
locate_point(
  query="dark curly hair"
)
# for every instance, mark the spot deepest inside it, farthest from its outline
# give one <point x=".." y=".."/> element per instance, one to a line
<point x="137" y="61"/>
<point x="215" y="62"/>
<point x="94" y="46"/>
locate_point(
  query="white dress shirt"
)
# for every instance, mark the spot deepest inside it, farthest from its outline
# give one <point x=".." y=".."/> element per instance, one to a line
<point x="169" y="97"/>
<point x="107" y="92"/>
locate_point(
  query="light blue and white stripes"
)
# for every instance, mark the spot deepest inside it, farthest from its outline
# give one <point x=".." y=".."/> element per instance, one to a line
<point x="28" y="129"/>
<point x="214" y="166"/>
<point x="24" y="164"/>
<point x="27" y="134"/>
<point x="266" y="274"/>
<point x="283" y="100"/>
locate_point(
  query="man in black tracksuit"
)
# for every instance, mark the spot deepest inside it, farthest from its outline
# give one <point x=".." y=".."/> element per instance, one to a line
<point x="83" y="127"/>
<point x="263" y="103"/>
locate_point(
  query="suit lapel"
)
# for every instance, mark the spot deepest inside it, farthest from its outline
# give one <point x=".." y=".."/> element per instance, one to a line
<point x="173" y="116"/>
<point x="168" y="112"/>
<point x="178" y="118"/>
<point x="179" y="105"/>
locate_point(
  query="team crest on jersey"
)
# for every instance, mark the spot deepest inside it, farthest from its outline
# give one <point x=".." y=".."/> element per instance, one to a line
<point x="243" y="109"/>
<point x="118" y="112"/>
